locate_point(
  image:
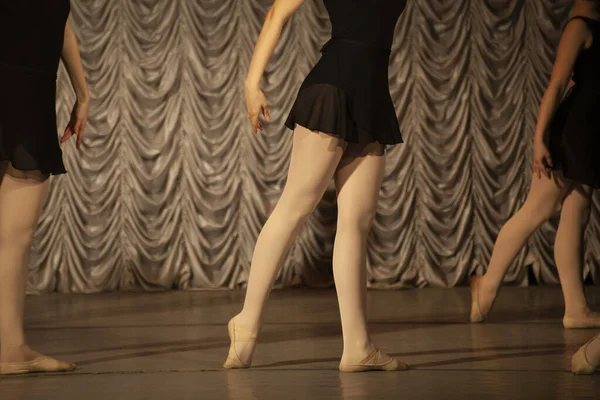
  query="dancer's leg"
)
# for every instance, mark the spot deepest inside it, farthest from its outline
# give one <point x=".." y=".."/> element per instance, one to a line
<point x="22" y="196"/>
<point x="568" y="252"/>
<point x="357" y="182"/>
<point x="315" y="157"/>
<point x="542" y="202"/>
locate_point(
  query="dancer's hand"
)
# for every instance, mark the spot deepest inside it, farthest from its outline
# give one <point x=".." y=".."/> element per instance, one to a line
<point x="77" y="122"/>
<point x="542" y="162"/>
<point x="256" y="102"/>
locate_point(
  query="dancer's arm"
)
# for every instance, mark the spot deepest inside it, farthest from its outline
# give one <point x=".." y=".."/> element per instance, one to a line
<point x="280" y="12"/>
<point x="573" y="41"/>
<point x="72" y="61"/>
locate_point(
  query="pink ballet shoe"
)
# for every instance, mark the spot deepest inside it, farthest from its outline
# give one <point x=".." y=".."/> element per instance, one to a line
<point x="477" y="315"/>
<point x="580" y="364"/>
<point x="39" y="364"/>
<point x="370" y="364"/>
<point x="237" y="335"/>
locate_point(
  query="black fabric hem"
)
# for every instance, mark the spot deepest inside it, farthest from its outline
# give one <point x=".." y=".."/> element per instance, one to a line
<point x="594" y="184"/>
<point x="338" y="136"/>
<point x="43" y="170"/>
<point x="325" y="108"/>
<point x="30" y="153"/>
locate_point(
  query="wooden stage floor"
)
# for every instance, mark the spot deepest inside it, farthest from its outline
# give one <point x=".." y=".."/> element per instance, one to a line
<point x="172" y="345"/>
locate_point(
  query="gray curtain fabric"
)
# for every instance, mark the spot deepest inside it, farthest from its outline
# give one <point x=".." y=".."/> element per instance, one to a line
<point x="172" y="188"/>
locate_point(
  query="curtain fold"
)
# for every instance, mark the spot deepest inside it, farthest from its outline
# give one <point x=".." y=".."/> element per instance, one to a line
<point x="172" y="189"/>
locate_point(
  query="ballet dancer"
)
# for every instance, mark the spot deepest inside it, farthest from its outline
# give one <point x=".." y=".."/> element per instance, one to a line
<point x="587" y="359"/>
<point x="342" y="120"/>
<point x="566" y="169"/>
<point x="34" y="34"/>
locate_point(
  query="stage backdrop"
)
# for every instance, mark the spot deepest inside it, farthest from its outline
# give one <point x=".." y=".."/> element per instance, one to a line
<point x="171" y="188"/>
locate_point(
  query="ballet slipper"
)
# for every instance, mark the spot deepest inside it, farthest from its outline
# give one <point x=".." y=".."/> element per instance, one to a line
<point x="38" y="364"/>
<point x="477" y="315"/>
<point x="237" y="335"/>
<point x="580" y="364"/>
<point x="590" y="321"/>
<point x="370" y="364"/>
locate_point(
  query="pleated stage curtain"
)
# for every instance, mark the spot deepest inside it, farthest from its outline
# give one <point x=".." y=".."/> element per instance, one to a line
<point x="172" y="188"/>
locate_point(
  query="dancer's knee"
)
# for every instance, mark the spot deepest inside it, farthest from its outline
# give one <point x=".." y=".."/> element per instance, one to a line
<point x="357" y="219"/>
<point x="299" y="204"/>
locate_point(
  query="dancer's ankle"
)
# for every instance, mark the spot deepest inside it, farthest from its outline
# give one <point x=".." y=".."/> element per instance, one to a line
<point x="16" y="353"/>
<point x="356" y="350"/>
<point x="248" y="324"/>
<point x="487" y="285"/>
<point x="578" y="311"/>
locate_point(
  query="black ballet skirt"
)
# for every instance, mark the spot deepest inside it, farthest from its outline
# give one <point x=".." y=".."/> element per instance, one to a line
<point x="347" y="92"/>
<point x="574" y="135"/>
<point x="31" y="41"/>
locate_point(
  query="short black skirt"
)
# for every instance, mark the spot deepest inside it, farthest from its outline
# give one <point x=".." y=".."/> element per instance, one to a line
<point x="574" y="140"/>
<point x="28" y="131"/>
<point x="347" y="95"/>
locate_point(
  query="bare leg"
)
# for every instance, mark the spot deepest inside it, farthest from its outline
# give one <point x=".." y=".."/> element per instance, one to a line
<point x="358" y="180"/>
<point x="315" y="157"/>
<point x="22" y="195"/>
<point x="542" y="202"/>
<point x="568" y="252"/>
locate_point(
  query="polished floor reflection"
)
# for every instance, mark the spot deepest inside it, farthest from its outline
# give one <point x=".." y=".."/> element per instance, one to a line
<point x="172" y="346"/>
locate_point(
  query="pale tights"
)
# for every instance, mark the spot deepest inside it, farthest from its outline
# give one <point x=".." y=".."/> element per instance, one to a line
<point x="316" y="158"/>
<point x="545" y="197"/>
<point x="22" y="195"/>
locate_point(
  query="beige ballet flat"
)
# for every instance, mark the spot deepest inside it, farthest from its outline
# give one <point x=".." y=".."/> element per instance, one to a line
<point x="580" y="364"/>
<point x="370" y="364"/>
<point x="581" y="323"/>
<point x="476" y="315"/>
<point x="39" y="364"/>
<point x="237" y="334"/>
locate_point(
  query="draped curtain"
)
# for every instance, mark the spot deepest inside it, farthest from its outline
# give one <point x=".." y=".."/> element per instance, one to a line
<point x="172" y="188"/>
